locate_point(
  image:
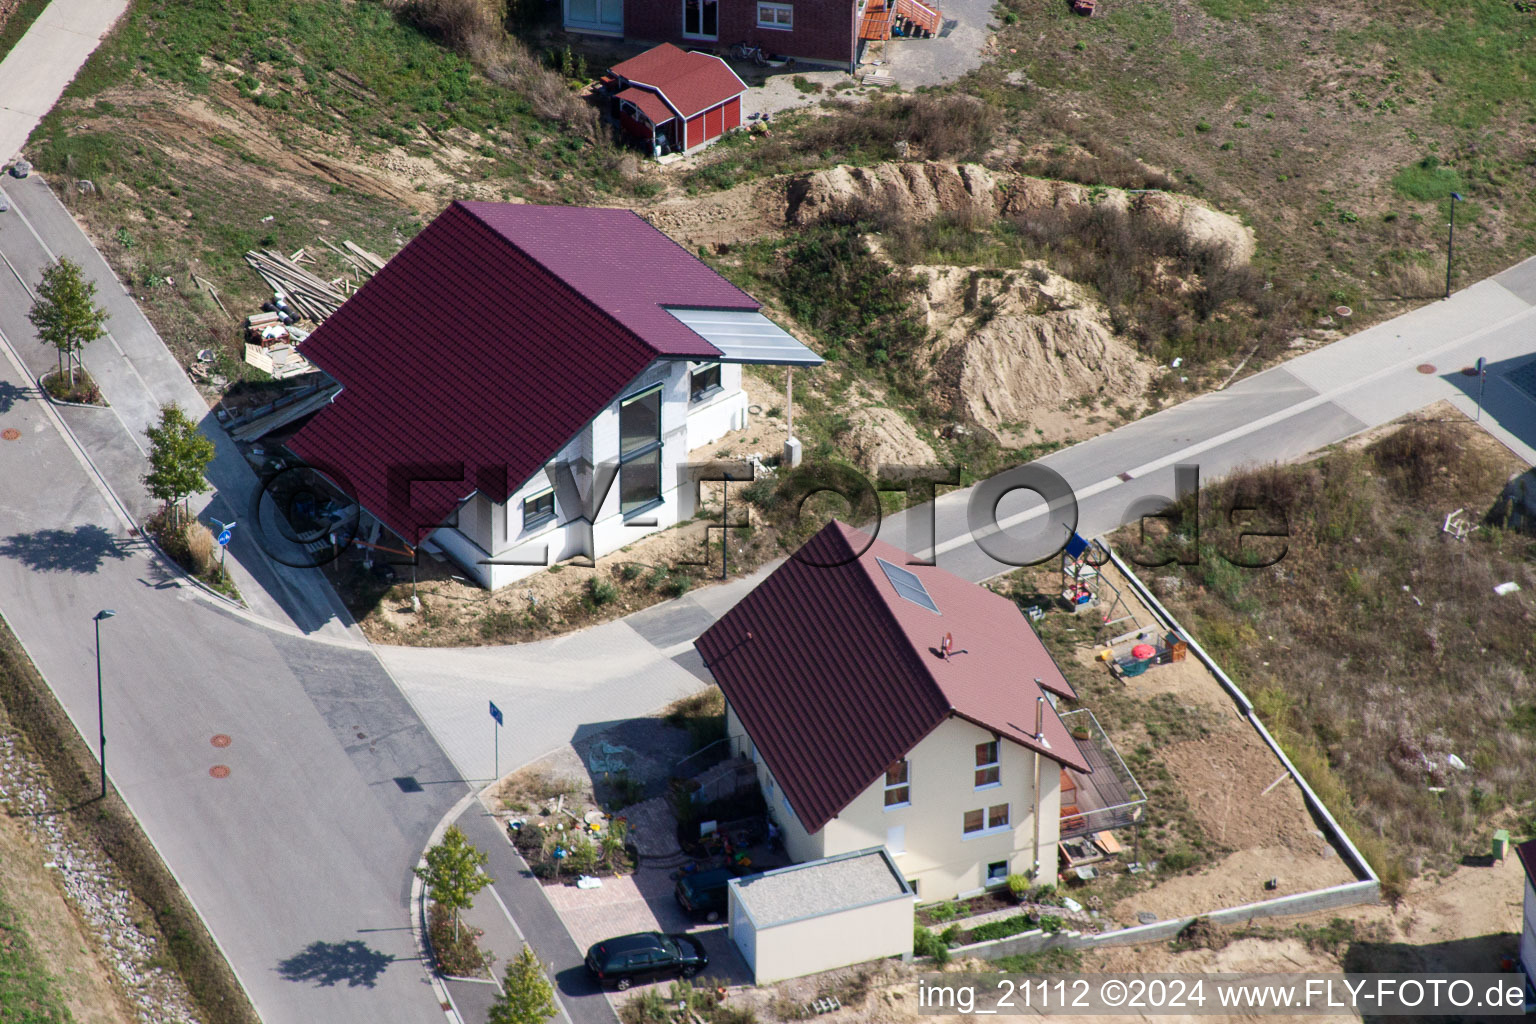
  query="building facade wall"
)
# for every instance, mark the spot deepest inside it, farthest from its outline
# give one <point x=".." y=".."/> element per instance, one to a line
<point x="823" y="30"/>
<point x="828" y="941"/>
<point x="926" y="837"/>
<point x="488" y="539"/>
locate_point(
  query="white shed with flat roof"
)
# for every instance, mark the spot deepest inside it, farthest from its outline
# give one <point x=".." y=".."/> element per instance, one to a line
<point x="822" y="914"/>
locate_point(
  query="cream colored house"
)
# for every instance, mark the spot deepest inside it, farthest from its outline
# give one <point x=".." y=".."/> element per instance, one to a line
<point x="897" y="705"/>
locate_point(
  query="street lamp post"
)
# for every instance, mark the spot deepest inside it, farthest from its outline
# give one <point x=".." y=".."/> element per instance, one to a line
<point x="101" y="718"/>
<point x="1450" y="242"/>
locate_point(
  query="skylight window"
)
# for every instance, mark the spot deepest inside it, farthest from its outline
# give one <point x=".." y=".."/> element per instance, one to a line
<point x="908" y="585"/>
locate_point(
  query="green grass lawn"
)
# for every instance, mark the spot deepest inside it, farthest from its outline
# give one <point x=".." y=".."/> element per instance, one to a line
<point x="28" y="993"/>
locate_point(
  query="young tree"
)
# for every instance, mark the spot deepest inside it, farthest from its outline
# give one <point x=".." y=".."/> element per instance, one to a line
<point x="177" y="457"/>
<point x="65" y="314"/>
<point x="528" y="997"/>
<point x="452" y="873"/>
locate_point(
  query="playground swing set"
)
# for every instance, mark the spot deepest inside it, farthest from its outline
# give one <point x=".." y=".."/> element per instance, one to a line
<point x="1085" y="589"/>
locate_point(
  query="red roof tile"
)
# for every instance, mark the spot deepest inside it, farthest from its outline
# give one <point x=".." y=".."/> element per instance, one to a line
<point x="1527" y="854"/>
<point x="488" y="343"/>
<point x="841" y="675"/>
<point x="649" y="103"/>
<point x="690" y="82"/>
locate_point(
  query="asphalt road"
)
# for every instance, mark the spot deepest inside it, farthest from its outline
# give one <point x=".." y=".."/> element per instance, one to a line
<point x="300" y="859"/>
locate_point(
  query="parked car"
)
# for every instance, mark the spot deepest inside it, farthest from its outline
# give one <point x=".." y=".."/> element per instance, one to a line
<point x="704" y="893"/>
<point x="645" y="956"/>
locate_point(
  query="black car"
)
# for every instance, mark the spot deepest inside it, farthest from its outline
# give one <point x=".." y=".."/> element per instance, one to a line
<point x="704" y="893"/>
<point x="645" y="956"/>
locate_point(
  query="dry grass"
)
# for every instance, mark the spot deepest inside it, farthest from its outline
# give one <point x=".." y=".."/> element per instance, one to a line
<point x="1375" y="647"/>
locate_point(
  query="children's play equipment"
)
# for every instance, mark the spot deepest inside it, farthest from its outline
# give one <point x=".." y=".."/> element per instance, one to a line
<point x="1084" y="589"/>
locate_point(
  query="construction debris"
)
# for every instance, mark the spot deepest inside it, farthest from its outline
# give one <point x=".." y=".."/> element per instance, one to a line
<point x="295" y="287"/>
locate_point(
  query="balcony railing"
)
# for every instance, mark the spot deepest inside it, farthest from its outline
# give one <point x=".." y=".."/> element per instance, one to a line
<point x="1107" y="798"/>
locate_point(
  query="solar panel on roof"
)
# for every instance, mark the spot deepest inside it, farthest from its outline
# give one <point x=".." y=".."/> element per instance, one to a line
<point x="908" y="585"/>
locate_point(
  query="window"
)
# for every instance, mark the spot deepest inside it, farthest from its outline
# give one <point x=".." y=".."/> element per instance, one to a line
<point x="908" y="586"/>
<point x="538" y="508"/>
<point x="988" y="771"/>
<point x="781" y="16"/>
<point x="912" y="884"/>
<point x="640" y="450"/>
<point x="991" y="819"/>
<point x="701" y="19"/>
<point x="898" y="784"/>
<point x="704" y="381"/>
<point x="997" y="871"/>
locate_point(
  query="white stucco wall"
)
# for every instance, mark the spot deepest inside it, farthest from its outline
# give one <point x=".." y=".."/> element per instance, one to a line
<point x="933" y="850"/>
<point x="490" y="537"/>
<point x="828" y="941"/>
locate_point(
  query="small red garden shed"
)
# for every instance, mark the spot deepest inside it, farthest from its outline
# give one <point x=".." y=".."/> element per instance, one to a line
<point x="675" y="100"/>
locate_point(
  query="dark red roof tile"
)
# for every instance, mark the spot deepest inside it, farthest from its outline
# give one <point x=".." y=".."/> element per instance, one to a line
<point x="842" y="676"/>
<point x="689" y="81"/>
<point x="488" y="343"/>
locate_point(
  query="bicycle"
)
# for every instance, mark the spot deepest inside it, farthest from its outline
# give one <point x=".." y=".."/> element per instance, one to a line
<point x="746" y="51"/>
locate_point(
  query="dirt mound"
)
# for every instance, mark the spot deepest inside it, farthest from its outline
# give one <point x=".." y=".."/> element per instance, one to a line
<point x="922" y="190"/>
<point x="1012" y="349"/>
<point x="880" y="436"/>
<point x="738" y="214"/>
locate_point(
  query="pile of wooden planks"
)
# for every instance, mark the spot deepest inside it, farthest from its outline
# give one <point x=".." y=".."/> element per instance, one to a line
<point x="303" y="292"/>
<point x="364" y="263"/>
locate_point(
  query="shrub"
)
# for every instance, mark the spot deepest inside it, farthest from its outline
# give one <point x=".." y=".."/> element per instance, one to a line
<point x="458" y="956"/>
<point x="601" y="591"/>
<point x="925" y="943"/>
<point x="631" y="571"/>
<point x="677" y="586"/>
<point x="942" y="911"/>
<point x="1018" y="886"/>
<point x="1004" y="928"/>
<point x="1050" y="923"/>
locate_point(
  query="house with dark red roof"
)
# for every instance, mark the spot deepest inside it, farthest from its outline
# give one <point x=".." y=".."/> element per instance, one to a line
<point x="674" y="101"/>
<point x="523" y="384"/>
<point x="826" y="32"/>
<point x="821" y="32"/>
<point x="887" y="703"/>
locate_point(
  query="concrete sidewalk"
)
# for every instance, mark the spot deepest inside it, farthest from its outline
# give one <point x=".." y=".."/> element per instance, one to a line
<point x="523" y="898"/>
<point x="138" y="375"/>
<point x="44" y="61"/>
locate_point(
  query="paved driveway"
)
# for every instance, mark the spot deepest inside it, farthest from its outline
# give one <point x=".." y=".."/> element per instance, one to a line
<point x="954" y="51"/>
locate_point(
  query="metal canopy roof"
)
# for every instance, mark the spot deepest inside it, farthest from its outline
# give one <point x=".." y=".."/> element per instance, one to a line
<point x="745" y="336"/>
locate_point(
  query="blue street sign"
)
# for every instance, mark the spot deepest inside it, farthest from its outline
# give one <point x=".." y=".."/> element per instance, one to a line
<point x="496" y="714"/>
<point x="224" y="536"/>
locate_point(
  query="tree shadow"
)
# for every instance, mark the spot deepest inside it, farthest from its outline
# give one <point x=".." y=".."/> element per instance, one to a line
<point x="81" y="550"/>
<point x="10" y="394"/>
<point x="330" y="963"/>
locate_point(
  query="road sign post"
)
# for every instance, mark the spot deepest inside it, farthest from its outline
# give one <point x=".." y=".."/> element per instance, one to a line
<point x="1482" y="376"/>
<point x="496" y="714"/>
<point x="226" y="531"/>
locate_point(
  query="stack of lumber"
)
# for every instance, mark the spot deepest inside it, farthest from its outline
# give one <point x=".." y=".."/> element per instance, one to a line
<point x="280" y="361"/>
<point x="304" y="293"/>
<point x="365" y="263"/>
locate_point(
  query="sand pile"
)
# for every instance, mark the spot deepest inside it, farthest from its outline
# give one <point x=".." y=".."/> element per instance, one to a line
<point x="1012" y="352"/>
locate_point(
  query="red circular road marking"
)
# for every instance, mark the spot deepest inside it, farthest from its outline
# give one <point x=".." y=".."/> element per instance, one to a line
<point x="219" y="771"/>
<point x="11" y="434"/>
<point x="221" y="740"/>
<point x="1426" y="367"/>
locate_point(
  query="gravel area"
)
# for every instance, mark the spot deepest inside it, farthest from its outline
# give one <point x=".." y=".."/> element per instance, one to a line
<point x="817" y="888"/>
<point x="90" y="883"/>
